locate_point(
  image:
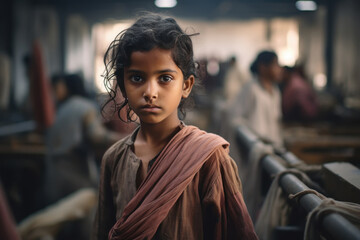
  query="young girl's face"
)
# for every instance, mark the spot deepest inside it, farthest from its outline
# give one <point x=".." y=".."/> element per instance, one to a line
<point x="154" y="86"/>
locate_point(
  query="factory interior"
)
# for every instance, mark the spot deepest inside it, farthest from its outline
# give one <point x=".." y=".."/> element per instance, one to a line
<point x="304" y="181"/>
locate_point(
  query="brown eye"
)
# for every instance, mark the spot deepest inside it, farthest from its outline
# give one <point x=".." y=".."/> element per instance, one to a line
<point x="136" y="79"/>
<point x="166" y="78"/>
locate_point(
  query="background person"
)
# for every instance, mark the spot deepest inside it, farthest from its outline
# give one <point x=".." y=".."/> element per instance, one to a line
<point x="259" y="103"/>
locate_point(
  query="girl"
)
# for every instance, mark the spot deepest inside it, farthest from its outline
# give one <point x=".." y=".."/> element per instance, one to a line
<point x="166" y="180"/>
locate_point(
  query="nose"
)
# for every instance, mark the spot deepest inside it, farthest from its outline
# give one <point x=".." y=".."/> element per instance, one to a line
<point x="151" y="90"/>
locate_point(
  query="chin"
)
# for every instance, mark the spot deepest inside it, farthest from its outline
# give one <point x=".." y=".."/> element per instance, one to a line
<point x="150" y="120"/>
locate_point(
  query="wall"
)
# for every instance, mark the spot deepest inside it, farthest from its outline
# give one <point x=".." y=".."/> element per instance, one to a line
<point x="33" y="24"/>
<point x="346" y="64"/>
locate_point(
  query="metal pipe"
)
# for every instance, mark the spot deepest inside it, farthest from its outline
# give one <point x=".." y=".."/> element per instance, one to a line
<point x="248" y="138"/>
<point x="333" y="224"/>
<point x="245" y="136"/>
<point x="290" y="158"/>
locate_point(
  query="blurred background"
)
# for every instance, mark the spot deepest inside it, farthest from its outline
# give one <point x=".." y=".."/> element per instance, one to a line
<point x="44" y="39"/>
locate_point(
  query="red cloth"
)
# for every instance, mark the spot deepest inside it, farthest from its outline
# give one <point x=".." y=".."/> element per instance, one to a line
<point x="40" y="91"/>
<point x="7" y="224"/>
<point x="164" y="183"/>
<point x="171" y="173"/>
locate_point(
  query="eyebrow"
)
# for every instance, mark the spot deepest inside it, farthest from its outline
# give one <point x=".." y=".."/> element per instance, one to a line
<point x="160" y="71"/>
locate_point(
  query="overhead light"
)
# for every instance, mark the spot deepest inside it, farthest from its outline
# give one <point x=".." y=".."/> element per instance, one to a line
<point x="165" y="3"/>
<point x="306" y="5"/>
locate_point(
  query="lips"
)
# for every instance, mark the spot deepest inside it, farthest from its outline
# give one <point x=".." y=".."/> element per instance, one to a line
<point x="150" y="108"/>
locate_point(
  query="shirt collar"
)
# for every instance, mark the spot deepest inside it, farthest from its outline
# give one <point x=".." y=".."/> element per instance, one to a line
<point x="130" y="140"/>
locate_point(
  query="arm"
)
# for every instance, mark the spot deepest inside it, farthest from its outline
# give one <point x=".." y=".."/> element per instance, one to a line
<point x="105" y="215"/>
<point x="224" y="211"/>
<point x="239" y="223"/>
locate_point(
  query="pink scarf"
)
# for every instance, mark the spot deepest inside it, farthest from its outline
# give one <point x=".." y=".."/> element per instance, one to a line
<point x="171" y="173"/>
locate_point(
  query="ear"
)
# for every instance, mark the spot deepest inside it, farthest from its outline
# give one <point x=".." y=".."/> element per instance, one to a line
<point x="187" y="86"/>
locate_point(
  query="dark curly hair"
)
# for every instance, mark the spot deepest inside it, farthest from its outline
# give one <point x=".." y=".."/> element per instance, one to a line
<point x="149" y="31"/>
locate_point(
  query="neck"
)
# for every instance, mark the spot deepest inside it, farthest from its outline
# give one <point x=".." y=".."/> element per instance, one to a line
<point x="157" y="134"/>
<point x="266" y="83"/>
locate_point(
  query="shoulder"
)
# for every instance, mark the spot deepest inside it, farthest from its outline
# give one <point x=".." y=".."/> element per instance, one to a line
<point x="84" y="102"/>
<point x="78" y="105"/>
<point x="229" y="172"/>
<point x="220" y="171"/>
<point x="191" y="131"/>
<point x="220" y="156"/>
<point x="80" y="100"/>
<point x="112" y="155"/>
<point x="196" y="137"/>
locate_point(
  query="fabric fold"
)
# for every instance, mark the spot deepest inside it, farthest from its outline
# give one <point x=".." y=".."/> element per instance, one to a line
<point x="171" y="173"/>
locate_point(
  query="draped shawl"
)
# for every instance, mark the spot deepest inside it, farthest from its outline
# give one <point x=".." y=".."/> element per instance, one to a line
<point x="167" y="179"/>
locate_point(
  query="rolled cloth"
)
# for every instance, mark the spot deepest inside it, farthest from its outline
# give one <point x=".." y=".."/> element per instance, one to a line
<point x="42" y="103"/>
<point x="167" y="179"/>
